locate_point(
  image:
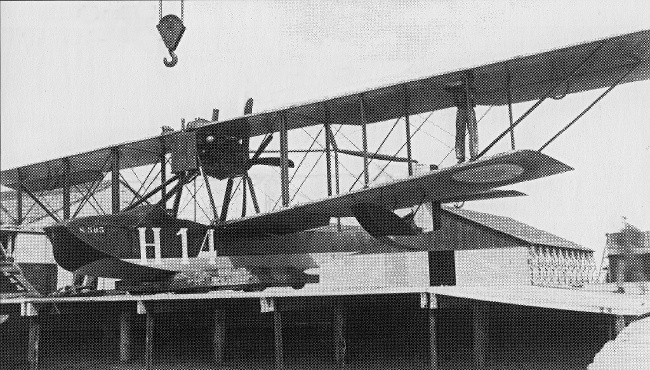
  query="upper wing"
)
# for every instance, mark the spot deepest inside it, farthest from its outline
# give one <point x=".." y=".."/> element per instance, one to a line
<point x="597" y="64"/>
<point x="466" y="181"/>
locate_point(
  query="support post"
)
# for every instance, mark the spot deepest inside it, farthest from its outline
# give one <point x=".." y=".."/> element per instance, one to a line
<point x="430" y="303"/>
<point x="219" y="338"/>
<point x="433" y="349"/>
<point x="66" y="188"/>
<point x="328" y="156"/>
<point x="251" y="189"/>
<point x="277" y="329"/>
<point x="115" y="180"/>
<point x="480" y="333"/>
<point x="226" y="200"/>
<point x="512" y="129"/>
<point x="284" y="155"/>
<point x="179" y="193"/>
<point x="472" y="129"/>
<point x="244" y="185"/>
<point x="408" y="130"/>
<point x="148" y="349"/>
<point x="340" y="345"/>
<point x="33" y="340"/>
<point x="126" y="329"/>
<point x="19" y="199"/>
<point x="364" y="139"/>
<point x="329" y="133"/>
<point x="163" y="170"/>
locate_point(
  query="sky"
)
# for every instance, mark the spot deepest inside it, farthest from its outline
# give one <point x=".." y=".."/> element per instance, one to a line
<point x="76" y="76"/>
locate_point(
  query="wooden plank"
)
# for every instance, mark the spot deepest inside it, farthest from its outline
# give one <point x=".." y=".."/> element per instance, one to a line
<point x="126" y="330"/>
<point x="219" y="337"/>
<point x="32" y="342"/>
<point x="115" y="180"/>
<point x="284" y="155"/>
<point x="589" y="299"/>
<point x="308" y="291"/>
<point x="582" y="300"/>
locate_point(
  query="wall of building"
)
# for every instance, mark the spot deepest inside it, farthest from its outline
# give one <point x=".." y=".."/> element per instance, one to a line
<point x="505" y="266"/>
<point x="529" y="265"/>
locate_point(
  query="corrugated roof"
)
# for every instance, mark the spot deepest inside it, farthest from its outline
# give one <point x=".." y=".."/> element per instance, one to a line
<point x="515" y="228"/>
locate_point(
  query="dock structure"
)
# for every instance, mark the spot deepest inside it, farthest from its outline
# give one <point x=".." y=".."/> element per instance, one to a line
<point x="332" y="308"/>
<point x="491" y="287"/>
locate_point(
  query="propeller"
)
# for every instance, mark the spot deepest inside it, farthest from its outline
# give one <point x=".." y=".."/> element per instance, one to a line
<point x="255" y="159"/>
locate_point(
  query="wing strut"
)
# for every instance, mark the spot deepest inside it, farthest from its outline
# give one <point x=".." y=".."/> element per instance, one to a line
<point x="226" y="199"/>
<point x="616" y="83"/>
<point x="540" y="101"/>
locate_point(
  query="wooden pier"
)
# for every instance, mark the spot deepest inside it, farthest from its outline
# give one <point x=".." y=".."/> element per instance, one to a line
<point x="334" y="308"/>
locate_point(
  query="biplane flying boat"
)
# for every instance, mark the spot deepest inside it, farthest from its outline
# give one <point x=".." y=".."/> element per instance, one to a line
<point x="146" y="242"/>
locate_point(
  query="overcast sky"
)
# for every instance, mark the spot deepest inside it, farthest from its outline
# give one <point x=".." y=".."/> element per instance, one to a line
<point x="78" y="76"/>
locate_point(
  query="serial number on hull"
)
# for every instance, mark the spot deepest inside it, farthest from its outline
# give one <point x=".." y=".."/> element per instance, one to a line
<point x="92" y="230"/>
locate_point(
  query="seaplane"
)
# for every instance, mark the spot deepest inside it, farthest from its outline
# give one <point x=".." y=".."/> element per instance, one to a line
<point x="150" y="249"/>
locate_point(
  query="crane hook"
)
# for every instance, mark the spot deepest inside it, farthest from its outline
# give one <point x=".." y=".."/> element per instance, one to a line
<point x="173" y="61"/>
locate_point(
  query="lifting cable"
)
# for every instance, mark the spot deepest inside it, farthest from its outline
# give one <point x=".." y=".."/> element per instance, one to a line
<point x="160" y="10"/>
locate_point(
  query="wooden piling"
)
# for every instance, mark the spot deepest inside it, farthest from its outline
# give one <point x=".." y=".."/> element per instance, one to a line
<point x="277" y="325"/>
<point x="219" y="338"/>
<point x="433" y="349"/>
<point x="32" y="342"/>
<point x="148" y="351"/>
<point x="480" y="333"/>
<point x="340" y="345"/>
<point x="430" y="303"/>
<point x="126" y="329"/>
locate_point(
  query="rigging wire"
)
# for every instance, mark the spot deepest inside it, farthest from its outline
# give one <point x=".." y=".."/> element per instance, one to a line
<point x="377" y="151"/>
<point x="307" y="176"/>
<point x="403" y="145"/>
<point x="334" y="150"/>
<point x="305" y="155"/>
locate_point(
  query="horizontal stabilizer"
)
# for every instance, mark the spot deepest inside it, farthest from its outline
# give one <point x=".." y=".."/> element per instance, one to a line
<point x="379" y="221"/>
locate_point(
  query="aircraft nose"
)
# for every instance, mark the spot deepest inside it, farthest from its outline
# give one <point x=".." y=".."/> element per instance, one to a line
<point x="70" y="252"/>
